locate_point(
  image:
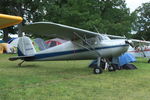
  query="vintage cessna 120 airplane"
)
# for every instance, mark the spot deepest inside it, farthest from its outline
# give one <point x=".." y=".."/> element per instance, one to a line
<point x="82" y="45"/>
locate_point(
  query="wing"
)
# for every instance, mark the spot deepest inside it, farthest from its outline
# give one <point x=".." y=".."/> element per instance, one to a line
<point x="115" y="37"/>
<point x="53" y="30"/>
<point x="8" y="20"/>
<point x="140" y="42"/>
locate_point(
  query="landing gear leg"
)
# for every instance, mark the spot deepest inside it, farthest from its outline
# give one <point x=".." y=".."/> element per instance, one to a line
<point x="98" y="69"/>
<point x="111" y="66"/>
<point x="20" y="63"/>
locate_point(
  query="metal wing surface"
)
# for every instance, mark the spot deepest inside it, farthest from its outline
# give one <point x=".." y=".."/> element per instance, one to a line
<point x="53" y="30"/>
<point x="135" y="42"/>
<point x="140" y="42"/>
<point x="115" y="37"/>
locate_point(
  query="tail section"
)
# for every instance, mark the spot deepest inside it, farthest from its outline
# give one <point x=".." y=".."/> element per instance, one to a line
<point x="25" y="47"/>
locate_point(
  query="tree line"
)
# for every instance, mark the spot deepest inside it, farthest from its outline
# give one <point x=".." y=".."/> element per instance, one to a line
<point x="108" y="16"/>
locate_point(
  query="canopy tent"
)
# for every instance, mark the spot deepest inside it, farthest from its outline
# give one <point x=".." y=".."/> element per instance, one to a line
<point x="126" y="58"/>
<point x="6" y="48"/>
<point x="14" y="42"/>
<point x="1" y="41"/>
<point x="55" y="42"/>
<point x="41" y="44"/>
<point x="8" y="20"/>
<point x="3" y="47"/>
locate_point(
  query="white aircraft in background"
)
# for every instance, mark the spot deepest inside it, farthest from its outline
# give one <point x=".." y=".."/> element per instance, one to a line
<point x="138" y="48"/>
<point x="82" y="45"/>
<point x="141" y="49"/>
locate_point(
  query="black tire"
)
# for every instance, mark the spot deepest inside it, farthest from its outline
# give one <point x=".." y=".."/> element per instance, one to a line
<point x="111" y="68"/>
<point x="97" y="71"/>
<point x="149" y="61"/>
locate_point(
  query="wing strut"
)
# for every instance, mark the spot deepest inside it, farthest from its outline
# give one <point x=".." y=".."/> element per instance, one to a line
<point x="90" y="46"/>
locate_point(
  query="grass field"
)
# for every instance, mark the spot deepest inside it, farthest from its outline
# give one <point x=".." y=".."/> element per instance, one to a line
<point x="71" y="80"/>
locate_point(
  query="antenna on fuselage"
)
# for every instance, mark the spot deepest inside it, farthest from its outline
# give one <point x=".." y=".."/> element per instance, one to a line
<point x="96" y="29"/>
<point x="143" y="38"/>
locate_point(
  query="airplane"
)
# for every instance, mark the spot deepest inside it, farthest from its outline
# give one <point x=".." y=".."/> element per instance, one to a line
<point x="138" y="48"/>
<point x="6" y="21"/>
<point x="82" y="45"/>
<point x="141" y="49"/>
<point x="9" y="20"/>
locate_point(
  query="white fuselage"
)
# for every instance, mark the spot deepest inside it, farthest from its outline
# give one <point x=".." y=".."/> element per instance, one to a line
<point x="80" y="51"/>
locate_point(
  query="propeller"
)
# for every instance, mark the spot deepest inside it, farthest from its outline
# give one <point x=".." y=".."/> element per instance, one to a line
<point x="130" y="43"/>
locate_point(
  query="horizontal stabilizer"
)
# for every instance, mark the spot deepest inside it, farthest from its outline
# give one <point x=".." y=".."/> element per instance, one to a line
<point x="26" y="58"/>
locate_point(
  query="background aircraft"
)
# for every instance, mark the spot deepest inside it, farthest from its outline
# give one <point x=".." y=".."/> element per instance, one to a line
<point x="8" y="20"/>
<point x="82" y="45"/>
<point x="138" y="48"/>
<point x="141" y="49"/>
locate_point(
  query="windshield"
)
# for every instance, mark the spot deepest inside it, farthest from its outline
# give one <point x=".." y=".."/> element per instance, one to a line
<point x="104" y="37"/>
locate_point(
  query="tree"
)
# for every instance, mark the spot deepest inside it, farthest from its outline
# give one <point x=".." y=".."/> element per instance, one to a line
<point x="142" y="23"/>
<point x="108" y="16"/>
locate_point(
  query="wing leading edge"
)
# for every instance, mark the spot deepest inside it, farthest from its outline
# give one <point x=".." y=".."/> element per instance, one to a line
<point x="52" y="30"/>
<point x="8" y="20"/>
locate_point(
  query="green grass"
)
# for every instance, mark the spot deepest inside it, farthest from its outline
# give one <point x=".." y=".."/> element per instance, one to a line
<point x="71" y="80"/>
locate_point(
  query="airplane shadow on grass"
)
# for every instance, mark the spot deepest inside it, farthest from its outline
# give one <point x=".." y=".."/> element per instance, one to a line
<point x="25" y="66"/>
<point x="58" y="70"/>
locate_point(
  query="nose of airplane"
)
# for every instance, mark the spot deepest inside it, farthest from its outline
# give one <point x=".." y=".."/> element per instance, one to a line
<point x="125" y="45"/>
<point x="129" y="42"/>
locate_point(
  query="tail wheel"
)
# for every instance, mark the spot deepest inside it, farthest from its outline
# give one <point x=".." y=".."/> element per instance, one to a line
<point x="97" y="71"/>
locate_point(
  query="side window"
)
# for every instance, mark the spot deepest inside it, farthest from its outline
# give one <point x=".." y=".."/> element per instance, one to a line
<point x="91" y="41"/>
<point x="100" y="38"/>
<point x="103" y="37"/>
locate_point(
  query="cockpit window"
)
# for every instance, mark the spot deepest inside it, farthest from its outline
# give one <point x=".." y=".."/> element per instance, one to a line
<point x="91" y="41"/>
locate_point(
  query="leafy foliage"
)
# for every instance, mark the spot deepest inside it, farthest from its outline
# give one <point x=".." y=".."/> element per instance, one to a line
<point x="142" y="24"/>
<point x="111" y="17"/>
<point x="108" y="16"/>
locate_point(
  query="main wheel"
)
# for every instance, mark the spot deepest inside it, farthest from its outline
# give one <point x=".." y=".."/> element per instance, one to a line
<point x="112" y="68"/>
<point x="97" y="71"/>
<point x="149" y="61"/>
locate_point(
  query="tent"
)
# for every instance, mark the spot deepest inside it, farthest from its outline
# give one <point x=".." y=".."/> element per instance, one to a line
<point x="1" y="41"/>
<point x="41" y="44"/>
<point x="49" y="43"/>
<point x="54" y="42"/>
<point x="14" y="42"/>
<point x="3" y="47"/>
<point x="126" y="58"/>
<point x="6" y="48"/>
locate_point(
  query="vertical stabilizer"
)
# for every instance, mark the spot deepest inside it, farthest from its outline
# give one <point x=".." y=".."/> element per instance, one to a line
<point x="25" y="47"/>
